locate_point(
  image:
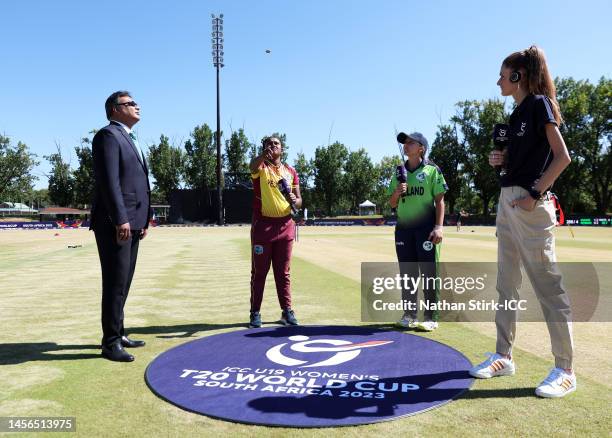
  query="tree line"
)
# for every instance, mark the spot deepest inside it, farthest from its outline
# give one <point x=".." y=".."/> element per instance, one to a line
<point x="338" y="178"/>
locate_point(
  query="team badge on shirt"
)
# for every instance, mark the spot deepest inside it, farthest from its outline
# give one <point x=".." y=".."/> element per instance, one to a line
<point x="420" y="177"/>
<point x="427" y="245"/>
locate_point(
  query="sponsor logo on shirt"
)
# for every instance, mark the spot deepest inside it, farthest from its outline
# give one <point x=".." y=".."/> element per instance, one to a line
<point x="523" y="126"/>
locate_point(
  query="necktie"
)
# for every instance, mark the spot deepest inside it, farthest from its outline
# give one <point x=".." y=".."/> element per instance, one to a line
<point x="141" y="156"/>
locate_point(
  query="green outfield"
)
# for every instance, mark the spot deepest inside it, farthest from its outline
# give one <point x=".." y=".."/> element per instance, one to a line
<point x="194" y="282"/>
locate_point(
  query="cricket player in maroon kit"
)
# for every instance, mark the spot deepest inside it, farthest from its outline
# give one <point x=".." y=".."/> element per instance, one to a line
<point x="273" y="228"/>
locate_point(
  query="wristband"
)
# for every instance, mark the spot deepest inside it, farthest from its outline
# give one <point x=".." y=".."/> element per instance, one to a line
<point x="535" y="194"/>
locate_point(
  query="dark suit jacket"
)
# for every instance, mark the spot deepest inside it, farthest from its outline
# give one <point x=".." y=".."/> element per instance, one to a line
<point x="122" y="193"/>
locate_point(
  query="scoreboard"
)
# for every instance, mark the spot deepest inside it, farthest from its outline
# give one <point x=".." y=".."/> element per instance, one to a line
<point x="599" y="221"/>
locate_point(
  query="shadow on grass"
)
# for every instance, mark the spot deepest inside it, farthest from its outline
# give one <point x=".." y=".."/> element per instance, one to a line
<point x="189" y="330"/>
<point x="182" y="330"/>
<point x="499" y="393"/>
<point x="320" y="330"/>
<point x="12" y="354"/>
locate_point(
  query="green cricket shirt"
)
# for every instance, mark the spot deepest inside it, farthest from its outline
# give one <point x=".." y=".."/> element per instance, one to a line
<point x="417" y="208"/>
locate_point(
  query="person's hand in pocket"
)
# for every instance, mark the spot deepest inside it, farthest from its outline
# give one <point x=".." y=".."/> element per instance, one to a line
<point x="526" y="203"/>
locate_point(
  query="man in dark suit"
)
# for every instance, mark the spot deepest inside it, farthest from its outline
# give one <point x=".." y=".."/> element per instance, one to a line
<point x="119" y="217"/>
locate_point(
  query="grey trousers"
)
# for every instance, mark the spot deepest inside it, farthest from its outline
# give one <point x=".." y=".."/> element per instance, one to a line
<point x="526" y="237"/>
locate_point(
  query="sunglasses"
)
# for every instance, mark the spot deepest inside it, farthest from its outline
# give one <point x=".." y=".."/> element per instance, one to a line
<point x="131" y="103"/>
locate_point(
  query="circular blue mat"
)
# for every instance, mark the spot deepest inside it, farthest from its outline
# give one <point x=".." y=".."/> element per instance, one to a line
<point x="310" y="376"/>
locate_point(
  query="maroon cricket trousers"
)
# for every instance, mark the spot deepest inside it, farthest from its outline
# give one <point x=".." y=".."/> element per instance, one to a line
<point x="271" y="243"/>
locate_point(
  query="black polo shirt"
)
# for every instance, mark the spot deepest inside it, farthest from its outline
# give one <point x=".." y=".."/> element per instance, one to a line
<point x="529" y="153"/>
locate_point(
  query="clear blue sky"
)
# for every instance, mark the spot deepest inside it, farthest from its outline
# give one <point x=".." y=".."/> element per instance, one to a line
<point x="355" y="67"/>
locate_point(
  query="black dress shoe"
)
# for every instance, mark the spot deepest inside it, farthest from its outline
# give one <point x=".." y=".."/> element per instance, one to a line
<point x="131" y="343"/>
<point x="115" y="352"/>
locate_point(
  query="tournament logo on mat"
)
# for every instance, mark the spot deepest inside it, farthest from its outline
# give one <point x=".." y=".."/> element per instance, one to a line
<point x="310" y="376"/>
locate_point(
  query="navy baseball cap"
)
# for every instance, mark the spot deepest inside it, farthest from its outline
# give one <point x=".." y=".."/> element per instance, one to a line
<point x="416" y="136"/>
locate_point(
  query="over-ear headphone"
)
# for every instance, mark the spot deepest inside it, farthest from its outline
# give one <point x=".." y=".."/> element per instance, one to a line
<point x="515" y="76"/>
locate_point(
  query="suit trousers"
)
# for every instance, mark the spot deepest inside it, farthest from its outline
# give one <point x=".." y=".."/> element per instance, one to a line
<point x="526" y="238"/>
<point x="118" y="261"/>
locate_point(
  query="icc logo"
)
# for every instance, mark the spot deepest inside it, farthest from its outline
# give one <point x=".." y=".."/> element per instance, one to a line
<point x="343" y="351"/>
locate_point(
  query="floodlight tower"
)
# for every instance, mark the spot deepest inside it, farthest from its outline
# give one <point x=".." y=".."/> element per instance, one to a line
<point x="217" y="54"/>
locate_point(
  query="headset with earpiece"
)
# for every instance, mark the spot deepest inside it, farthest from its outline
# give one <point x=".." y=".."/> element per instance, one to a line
<point x="515" y="76"/>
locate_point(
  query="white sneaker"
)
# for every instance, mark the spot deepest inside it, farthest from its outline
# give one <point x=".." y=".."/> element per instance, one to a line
<point x="408" y="322"/>
<point x="495" y="365"/>
<point x="559" y="383"/>
<point x="428" y="326"/>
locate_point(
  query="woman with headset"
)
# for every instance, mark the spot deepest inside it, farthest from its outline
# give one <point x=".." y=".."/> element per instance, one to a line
<point x="533" y="160"/>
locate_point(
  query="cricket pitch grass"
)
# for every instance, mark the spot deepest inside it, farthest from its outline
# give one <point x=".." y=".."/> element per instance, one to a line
<point x="194" y="282"/>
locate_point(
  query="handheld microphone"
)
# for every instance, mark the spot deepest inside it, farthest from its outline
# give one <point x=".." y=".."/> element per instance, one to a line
<point x="401" y="176"/>
<point x="501" y="139"/>
<point x="285" y="189"/>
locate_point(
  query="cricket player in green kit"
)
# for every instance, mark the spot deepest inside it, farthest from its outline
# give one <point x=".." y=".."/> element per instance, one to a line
<point x="418" y="234"/>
